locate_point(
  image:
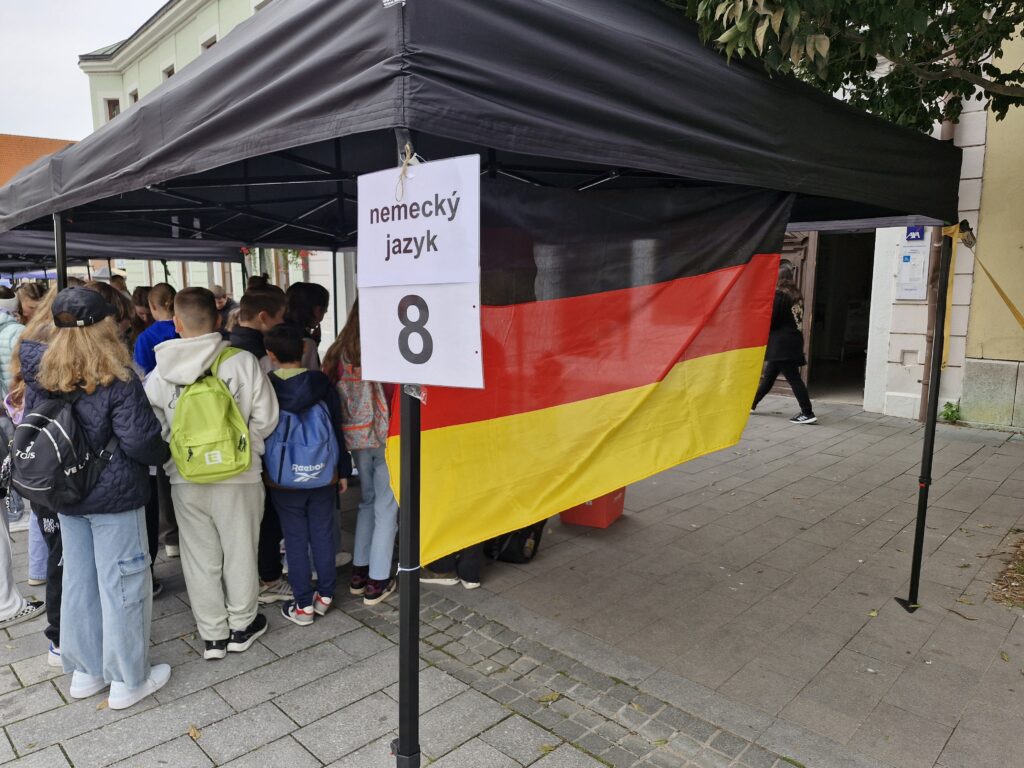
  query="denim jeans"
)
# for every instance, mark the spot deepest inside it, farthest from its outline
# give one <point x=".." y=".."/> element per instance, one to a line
<point x="307" y="521"/>
<point x="37" y="550"/>
<point x="107" y="604"/>
<point x="377" y="522"/>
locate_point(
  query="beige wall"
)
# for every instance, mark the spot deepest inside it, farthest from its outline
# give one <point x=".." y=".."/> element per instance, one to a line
<point x="993" y="332"/>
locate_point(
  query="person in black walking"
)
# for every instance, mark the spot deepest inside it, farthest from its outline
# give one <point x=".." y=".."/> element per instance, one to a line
<point x="785" y="352"/>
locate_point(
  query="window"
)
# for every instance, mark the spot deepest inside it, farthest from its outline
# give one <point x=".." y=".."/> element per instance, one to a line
<point x="209" y="43"/>
<point x="113" y="108"/>
<point x="169" y="72"/>
<point x="133" y="97"/>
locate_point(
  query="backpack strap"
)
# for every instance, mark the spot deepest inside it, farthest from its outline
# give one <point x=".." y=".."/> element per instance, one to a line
<point x="225" y="354"/>
<point x="106" y="453"/>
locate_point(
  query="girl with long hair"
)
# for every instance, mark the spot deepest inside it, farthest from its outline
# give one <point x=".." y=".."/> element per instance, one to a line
<point x="785" y="352"/>
<point x="364" y="423"/>
<point x="307" y="307"/>
<point x="107" y="595"/>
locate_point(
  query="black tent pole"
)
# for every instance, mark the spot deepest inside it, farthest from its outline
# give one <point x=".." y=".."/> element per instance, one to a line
<point x="407" y="747"/>
<point x="334" y="286"/>
<point x="167" y="272"/>
<point x="928" y="450"/>
<point x="60" y="250"/>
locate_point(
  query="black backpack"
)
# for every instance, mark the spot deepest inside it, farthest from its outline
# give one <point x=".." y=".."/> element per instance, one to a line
<point x="50" y="462"/>
<point x="518" y="546"/>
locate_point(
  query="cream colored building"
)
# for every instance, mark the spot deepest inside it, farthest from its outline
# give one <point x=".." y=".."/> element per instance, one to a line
<point x="123" y="73"/>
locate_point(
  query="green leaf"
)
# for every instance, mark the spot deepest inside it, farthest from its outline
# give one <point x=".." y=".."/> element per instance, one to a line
<point x="873" y="613"/>
<point x="759" y="34"/>
<point x="796" y="52"/>
<point x="547" y="698"/>
<point x="821" y="45"/>
<point x="1004" y="656"/>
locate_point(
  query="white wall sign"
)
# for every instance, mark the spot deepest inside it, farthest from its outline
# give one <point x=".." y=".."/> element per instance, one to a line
<point x="912" y="271"/>
<point x="419" y="274"/>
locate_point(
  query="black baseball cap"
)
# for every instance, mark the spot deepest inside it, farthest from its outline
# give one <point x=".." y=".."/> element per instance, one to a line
<point x="79" y="307"/>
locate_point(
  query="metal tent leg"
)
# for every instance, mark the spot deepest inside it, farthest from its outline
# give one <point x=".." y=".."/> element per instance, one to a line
<point x="60" y="250"/>
<point x="928" y="451"/>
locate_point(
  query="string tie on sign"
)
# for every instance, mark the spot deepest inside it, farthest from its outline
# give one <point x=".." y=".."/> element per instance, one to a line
<point x="408" y="158"/>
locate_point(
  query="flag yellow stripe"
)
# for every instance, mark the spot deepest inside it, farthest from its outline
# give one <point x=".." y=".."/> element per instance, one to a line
<point x="488" y="477"/>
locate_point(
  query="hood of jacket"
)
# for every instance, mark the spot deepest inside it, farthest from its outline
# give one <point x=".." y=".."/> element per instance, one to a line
<point x="248" y="339"/>
<point x="299" y="392"/>
<point x="6" y="318"/>
<point x="183" y="361"/>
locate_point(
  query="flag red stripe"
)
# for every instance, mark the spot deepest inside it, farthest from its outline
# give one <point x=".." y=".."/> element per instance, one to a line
<point x="547" y="353"/>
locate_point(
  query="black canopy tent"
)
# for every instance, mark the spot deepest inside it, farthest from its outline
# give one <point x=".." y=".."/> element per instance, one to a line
<point x="612" y="93"/>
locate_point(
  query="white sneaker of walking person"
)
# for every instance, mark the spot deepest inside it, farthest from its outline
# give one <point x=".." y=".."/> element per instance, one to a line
<point x="122" y="697"/>
<point x="83" y="686"/>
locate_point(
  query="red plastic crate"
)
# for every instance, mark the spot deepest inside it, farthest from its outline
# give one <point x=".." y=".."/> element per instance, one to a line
<point x="599" y="513"/>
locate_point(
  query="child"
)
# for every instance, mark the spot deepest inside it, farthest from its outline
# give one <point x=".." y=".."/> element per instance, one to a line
<point x="160" y="329"/>
<point x="161" y="309"/>
<point x="219" y="522"/>
<point x="364" y="419"/>
<point x="107" y="601"/>
<point x="306" y="513"/>
<point x="260" y="310"/>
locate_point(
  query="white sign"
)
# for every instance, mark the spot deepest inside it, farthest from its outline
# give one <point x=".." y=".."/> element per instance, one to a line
<point x="912" y="272"/>
<point x="418" y="272"/>
<point x="431" y="234"/>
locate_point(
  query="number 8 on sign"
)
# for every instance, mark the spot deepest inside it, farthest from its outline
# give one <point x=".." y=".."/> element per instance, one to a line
<point x="415" y="327"/>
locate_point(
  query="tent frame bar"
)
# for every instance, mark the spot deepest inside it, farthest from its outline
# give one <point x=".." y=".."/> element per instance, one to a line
<point x="924" y="482"/>
<point x="60" y="249"/>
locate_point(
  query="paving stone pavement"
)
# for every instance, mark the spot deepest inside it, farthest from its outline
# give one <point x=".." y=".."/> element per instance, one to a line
<point x="726" y="620"/>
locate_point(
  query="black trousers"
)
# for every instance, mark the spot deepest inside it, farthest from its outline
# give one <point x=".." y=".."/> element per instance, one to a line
<point x="153" y="519"/>
<point x="268" y="556"/>
<point x="466" y="563"/>
<point x="791" y="371"/>
<point x="49" y="526"/>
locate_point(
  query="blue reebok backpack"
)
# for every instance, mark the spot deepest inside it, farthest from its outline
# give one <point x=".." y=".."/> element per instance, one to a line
<point x="302" y="452"/>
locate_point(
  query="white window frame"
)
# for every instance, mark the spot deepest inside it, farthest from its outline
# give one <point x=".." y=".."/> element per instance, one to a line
<point x="210" y="33"/>
<point x="104" y="97"/>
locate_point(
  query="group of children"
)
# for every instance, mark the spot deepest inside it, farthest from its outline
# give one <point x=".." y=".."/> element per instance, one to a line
<point x="237" y="443"/>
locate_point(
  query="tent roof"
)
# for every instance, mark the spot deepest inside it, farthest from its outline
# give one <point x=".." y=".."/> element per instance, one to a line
<point x="38" y="248"/>
<point x="264" y="148"/>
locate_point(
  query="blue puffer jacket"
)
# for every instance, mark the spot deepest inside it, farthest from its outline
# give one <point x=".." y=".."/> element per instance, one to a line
<point x="10" y="332"/>
<point x="121" y="409"/>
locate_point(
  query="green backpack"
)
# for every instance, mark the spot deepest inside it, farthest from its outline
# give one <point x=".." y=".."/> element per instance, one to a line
<point x="209" y="437"/>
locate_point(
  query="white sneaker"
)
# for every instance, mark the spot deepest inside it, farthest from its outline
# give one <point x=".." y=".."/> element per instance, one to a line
<point x="470" y="584"/>
<point x="321" y="604"/>
<point x="83" y="686"/>
<point x="278" y="591"/>
<point x="53" y="656"/>
<point x="172" y="550"/>
<point x="122" y="697"/>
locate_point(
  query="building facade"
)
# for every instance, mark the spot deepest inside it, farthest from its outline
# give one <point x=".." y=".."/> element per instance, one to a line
<point x="122" y="74"/>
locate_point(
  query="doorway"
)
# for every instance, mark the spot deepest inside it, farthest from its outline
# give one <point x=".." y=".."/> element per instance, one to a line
<point x="841" y="300"/>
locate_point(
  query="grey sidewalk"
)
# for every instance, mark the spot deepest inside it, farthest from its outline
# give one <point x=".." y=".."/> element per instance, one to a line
<point x="727" y="619"/>
<point x="752" y="578"/>
<point x="326" y="695"/>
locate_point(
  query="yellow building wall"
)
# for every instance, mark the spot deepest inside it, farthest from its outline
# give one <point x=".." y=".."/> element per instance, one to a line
<point x="993" y="333"/>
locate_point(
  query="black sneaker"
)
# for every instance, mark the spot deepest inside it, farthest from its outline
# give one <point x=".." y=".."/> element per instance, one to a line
<point x="804" y="418"/>
<point x="215" y="649"/>
<point x="158" y="588"/>
<point x="242" y="639"/>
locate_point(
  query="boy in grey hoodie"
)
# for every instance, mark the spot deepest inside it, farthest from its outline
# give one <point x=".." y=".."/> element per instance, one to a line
<point x="218" y="522"/>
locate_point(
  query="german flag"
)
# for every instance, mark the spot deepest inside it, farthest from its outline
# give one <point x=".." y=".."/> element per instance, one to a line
<point x="623" y="334"/>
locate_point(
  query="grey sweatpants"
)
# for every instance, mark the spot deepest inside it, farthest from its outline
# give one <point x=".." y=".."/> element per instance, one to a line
<point x="219" y="528"/>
